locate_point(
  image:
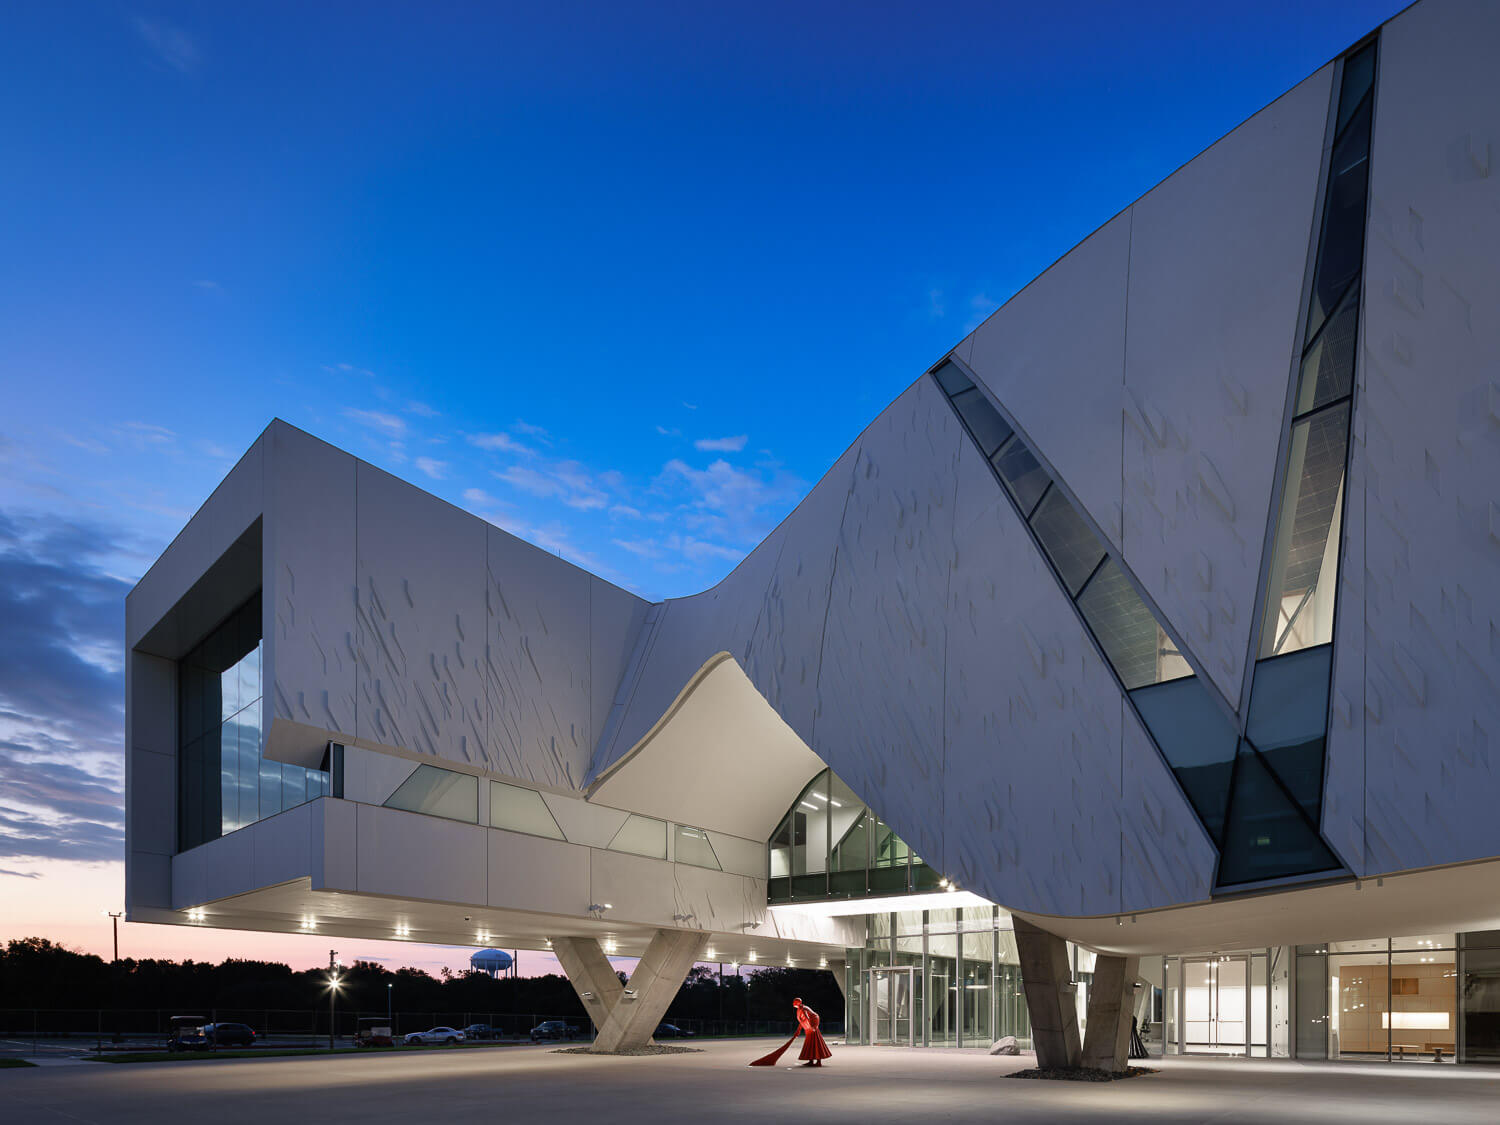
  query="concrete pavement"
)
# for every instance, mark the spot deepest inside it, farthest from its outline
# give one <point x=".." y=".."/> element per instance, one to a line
<point x="864" y="1084"/>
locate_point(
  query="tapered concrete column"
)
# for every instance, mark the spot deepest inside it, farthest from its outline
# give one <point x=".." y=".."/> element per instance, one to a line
<point x="1106" y="1041"/>
<point x="645" y="1000"/>
<point x="1048" y="982"/>
<point x="590" y="974"/>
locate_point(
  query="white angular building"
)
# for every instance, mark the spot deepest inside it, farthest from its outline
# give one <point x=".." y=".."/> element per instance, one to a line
<point x="1150" y="642"/>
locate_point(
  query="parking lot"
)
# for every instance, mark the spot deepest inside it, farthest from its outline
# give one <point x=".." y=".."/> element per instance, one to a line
<point x="865" y="1084"/>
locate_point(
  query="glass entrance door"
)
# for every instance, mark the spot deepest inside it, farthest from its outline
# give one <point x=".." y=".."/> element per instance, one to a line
<point x="892" y="1014"/>
<point x="1215" y="1005"/>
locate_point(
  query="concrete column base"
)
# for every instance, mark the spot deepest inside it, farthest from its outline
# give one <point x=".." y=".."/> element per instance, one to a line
<point x="644" y="1001"/>
<point x="1047" y="979"/>
<point x="1106" y="1041"/>
<point x="590" y="974"/>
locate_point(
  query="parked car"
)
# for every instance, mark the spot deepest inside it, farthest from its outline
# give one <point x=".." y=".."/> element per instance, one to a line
<point x="671" y="1031"/>
<point x="479" y="1032"/>
<point x="186" y="1033"/>
<point x="434" y="1035"/>
<point x="230" y="1034"/>
<point x="553" y="1029"/>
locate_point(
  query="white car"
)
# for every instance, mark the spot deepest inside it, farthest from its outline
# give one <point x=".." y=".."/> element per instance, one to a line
<point x="434" y="1035"/>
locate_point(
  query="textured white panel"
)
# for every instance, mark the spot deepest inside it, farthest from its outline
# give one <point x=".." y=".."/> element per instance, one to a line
<point x="530" y="873"/>
<point x="1167" y="858"/>
<point x="744" y="857"/>
<point x="309" y="543"/>
<point x="707" y="900"/>
<point x="1032" y="729"/>
<point x="1217" y="258"/>
<point x="639" y="889"/>
<point x="584" y="823"/>
<point x="615" y="621"/>
<point x="420" y="621"/>
<point x="424" y="857"/>
<point x="537" y="671"/>
<point x="287" y="846"/>
<point x="879" y="722"/>
<point x="1431" y="414"/>
<point x="151" y="822"/>
<point x="1054" y="357"/>
<point x="335" y="848"/>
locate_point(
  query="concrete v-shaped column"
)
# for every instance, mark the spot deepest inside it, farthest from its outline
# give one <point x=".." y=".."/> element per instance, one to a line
<point x="1048" y="982"/>
<point x="644" y="1001"/>
<point x="590" y="974"/>
<point x="1106" y="1040"/>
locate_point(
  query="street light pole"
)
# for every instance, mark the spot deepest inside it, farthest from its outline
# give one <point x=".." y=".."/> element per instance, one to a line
<point x="389" y="988"/>
<point x="114" y="917"/>
<point x="333" y="992"/>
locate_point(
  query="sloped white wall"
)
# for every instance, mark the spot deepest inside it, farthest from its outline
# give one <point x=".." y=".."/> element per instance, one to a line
<point x="1418" y="680"/>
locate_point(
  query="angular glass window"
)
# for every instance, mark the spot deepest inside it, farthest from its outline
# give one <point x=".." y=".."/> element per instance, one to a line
<point x="229" y="778"/>
<point x="1069" y="542"/>
<point x="691" y="845"/>
<point x="984" y="421"/>
<point x="1267" y="836"/>
<point x="1341" y="249"/>
<point x="641" y="835"/>
<point x="1288" y="720"/>
<point x="1359" y="76"/>
<point x="435" y="792"/>
<point x="1127" y="631"/>
<point x="1198" y="741"/>
<point x="1024" y="477"/>
<point x="521" y="810"/>
<point x="1304" y="565"/>
<point x="1328" y="367"/>
<point x="951" y="379"/>
<point x="780" y="852"/>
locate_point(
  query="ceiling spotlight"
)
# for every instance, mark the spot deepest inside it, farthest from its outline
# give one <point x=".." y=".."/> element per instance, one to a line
<point x="752" y="956"/>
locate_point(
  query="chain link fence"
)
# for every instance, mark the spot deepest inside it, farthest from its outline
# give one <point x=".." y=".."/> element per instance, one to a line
<point x="39" y="1031"/>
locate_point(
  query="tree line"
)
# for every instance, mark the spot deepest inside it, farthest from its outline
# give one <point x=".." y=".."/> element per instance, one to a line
<point x="38" y="973"/>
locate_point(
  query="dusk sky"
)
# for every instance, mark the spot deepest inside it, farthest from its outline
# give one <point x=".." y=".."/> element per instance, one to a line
<point x="621" y="278"/>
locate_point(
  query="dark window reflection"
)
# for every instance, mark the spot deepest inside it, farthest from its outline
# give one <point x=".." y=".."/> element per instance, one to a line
<point x="223" y="783"/>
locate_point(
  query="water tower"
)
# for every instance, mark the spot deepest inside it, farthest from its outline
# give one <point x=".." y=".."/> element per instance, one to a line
<point x="495" y="962"/>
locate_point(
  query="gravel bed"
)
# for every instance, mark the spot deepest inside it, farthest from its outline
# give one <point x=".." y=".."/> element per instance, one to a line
<point x="1082" y="1074"/>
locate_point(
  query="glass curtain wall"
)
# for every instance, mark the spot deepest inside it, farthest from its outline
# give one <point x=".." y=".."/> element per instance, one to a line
<point x="223" y="783"/>
<point x="965" y="980"/>
<point x="830" y="845"/>
<point x="1398" y="998"/>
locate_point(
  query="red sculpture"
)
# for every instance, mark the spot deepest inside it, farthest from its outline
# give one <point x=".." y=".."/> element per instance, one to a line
<point x="814" y="1048"/>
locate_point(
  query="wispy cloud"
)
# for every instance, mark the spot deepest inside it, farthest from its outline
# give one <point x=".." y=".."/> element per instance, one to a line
<point x="421" y="410"/>
<point x="567" y="481"/>
<point x="686" y="546"/>
<point x="20" y="874"/>
<point x="730" y="503"/>
<point x="541" y="433"/>
<point x="61" y="682"/>
<point x="665" y="432"/>
<point x="170" y="44"/>
<point x="206" y="284"/>
<point x="388" y="424"/>
<point x="437" y="470"/>
<point x="721" y="445"/>
<point x="501" y="443"/>
<point x="936" y="309"/>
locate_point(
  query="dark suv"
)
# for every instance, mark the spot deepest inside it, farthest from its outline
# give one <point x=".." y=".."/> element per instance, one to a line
<point x="480" y="1031"/>
<point x="229" y="1034"/>
<point x="553" y="1029"/>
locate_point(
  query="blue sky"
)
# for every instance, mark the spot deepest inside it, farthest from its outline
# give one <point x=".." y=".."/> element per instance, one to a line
<point x="622" y="278"/>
